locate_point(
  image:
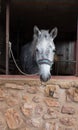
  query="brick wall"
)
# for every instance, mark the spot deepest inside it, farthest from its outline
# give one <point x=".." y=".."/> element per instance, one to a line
<point x="29" y="105"/>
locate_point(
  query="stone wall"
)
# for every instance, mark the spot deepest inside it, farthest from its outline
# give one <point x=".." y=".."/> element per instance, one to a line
<point x="26" y="104"/>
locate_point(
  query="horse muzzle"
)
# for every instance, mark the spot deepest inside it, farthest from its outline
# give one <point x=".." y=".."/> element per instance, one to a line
<point x="44" y="69"/>
<point x="45" y="78"/>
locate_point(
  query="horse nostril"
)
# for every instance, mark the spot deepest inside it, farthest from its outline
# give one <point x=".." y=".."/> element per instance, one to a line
<point x="41" y="78"/>
<point x="49" y="76"/>
<point x="45" y="79"/>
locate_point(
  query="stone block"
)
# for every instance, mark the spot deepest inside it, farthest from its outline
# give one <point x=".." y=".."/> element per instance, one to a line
<point x="52" y="91"/>
<point x="13" y="119"/>
<point x="72" y="94"/>
<point x="67" y="121"/>
<point x="14" y="86"/>
<point x="51" y="102"/>
<point x="27" y="109"/>
<point x="37" y="99"/>
<point x="34" y="122"/>
<point x="32" y="89"/>
<point x="65" y="85"/>
<point x="39" y="110"/>
<point x="48" y="116"/>
<point x="67" y="110"/>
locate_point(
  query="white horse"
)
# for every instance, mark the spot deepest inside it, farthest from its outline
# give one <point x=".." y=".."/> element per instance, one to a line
<point x="38" y="56"/>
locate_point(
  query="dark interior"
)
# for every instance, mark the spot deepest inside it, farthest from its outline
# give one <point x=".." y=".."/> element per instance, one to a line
<point x="24" y="14"/>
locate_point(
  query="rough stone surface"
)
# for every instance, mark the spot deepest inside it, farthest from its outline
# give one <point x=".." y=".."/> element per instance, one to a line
<point x="39" y="110"/>
<point x="72" y="94"/>
<point x="12" y="101"/>
<point x="34" y="122"/>
<point x="65" y="85"/>
<point x="27" y="109"/>
<point x="51" y="102"/>
<point x="37" y="99"/>
<point x="25" y="128"/>
<point x="29" y="104"/>
<point x="14" y="86"/>
<point x="32" y="90"/>
<point x="13" y="119"/>
<point x="2" y="94"/>
<point x="65" y="128"/>
<point x="68" y="121"/>
<point x="68" y="110"/>
<point x="48" y="116"/>
<point x="53" y="126"/>
<point x="69" y="129"/>
<point x="75" y="84"/>
<point x="52" y="91"/>
<point x="3" y="124"/>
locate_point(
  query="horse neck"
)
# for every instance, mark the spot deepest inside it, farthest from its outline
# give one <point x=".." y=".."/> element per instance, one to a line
<point x="33" y="45"/>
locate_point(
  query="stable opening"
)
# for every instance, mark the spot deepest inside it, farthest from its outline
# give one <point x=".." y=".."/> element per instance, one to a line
<point x="46" y="15"/>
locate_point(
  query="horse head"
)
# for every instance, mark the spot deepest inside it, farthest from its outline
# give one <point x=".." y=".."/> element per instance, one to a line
<point x="44" y="51"/>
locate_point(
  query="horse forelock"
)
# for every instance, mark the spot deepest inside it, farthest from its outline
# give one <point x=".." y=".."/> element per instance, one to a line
<point x="44" y="34"/>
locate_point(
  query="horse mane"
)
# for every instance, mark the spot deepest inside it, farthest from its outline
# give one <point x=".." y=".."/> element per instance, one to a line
<point x="33" y="45"/>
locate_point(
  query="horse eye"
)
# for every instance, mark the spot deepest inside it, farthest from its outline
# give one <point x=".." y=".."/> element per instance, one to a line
<point x="37" y="50"/>
<point x="45" y="36"/>
<point x="54" y="50"/>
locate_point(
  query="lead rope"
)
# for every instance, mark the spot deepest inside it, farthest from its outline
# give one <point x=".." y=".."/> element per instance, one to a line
<point x="11" y="54"/>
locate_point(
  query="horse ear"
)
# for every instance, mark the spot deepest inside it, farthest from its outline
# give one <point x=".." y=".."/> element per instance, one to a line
<point x="36" y="30"/>
<point x="54" y="32"/>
